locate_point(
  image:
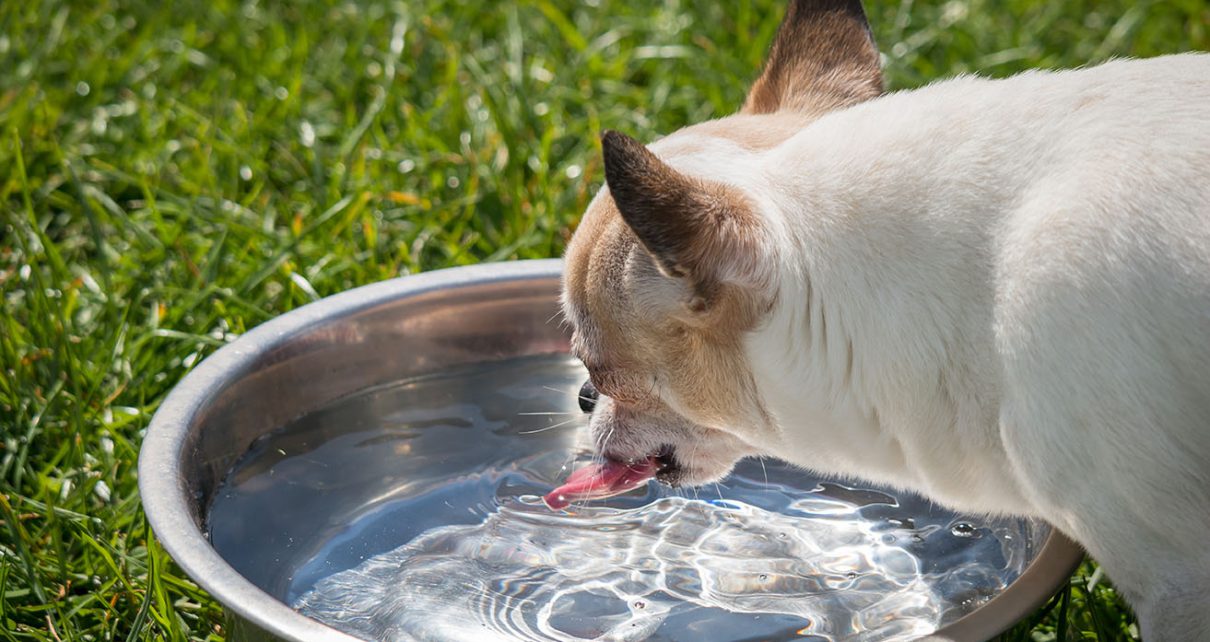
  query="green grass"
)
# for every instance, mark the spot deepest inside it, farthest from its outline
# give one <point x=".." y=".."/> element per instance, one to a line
<point x="171" y="176"/>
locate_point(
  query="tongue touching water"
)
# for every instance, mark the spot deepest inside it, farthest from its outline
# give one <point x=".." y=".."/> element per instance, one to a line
<point x="414" y="511"/>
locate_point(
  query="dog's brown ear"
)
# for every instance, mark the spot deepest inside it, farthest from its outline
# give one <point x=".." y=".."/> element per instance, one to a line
<point x="695" y="229"/>
<point x="823" y="57"/>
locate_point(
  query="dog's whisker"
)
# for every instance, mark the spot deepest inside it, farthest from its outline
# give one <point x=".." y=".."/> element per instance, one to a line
<point x="605" y="439"/>
<point x="601" y="442"/>
<point x="543" y="414"/>
<point x="545" y="428"/>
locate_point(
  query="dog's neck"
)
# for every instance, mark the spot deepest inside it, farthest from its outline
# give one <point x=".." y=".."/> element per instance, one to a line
<point x="880" y="351"/>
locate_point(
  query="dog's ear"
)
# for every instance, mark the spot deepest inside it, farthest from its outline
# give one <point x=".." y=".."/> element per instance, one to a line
<point x="698" y="230"/>
<point x="823" y="57"/>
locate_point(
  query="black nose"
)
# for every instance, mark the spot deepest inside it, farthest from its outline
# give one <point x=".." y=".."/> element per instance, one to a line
<point x="588" y="396"/>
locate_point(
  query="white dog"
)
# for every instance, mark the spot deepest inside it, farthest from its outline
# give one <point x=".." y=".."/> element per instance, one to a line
<point x="993" y="292"/>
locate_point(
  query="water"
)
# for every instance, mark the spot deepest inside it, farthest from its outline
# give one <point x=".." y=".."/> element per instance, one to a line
<point x="413" y="511"/>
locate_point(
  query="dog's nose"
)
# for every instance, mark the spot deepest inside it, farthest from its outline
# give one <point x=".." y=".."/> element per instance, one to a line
<point x="588" y="396"/>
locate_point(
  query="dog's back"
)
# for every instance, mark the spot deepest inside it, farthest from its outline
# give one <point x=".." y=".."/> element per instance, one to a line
<point x="1041" y="246"/>
<point x="1103" y="327"/>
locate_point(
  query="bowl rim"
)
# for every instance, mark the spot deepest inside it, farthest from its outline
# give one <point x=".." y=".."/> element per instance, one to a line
<point x="163" y="490"/>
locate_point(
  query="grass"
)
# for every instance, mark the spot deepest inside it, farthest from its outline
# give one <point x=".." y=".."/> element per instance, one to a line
<point x="174" y="174"/>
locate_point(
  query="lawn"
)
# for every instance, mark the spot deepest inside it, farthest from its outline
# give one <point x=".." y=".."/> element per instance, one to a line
<point x="172" y="174"/>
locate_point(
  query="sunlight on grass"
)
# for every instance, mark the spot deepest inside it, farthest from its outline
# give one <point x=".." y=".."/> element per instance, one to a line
<point x="172" y="174"/>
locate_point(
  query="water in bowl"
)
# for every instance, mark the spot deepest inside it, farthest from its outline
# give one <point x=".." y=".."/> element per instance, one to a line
<point x="413" y="511"/>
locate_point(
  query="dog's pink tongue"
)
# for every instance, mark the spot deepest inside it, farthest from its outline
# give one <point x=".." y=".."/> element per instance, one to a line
<point x="599" y="480"/>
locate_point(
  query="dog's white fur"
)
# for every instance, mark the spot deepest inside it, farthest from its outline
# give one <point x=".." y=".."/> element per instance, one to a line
<point x="996" y="293"/>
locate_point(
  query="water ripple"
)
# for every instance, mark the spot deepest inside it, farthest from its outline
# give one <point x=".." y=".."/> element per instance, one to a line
<point x="604" y="573"/>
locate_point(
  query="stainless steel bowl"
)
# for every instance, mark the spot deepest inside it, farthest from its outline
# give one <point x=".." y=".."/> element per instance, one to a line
<point x="303" y="360"/>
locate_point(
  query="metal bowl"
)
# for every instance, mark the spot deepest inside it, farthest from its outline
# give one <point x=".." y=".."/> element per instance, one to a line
<point x="303" y="360"/>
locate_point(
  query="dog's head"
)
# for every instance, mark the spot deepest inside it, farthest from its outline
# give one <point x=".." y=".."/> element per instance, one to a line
<point x="673" y="262"/>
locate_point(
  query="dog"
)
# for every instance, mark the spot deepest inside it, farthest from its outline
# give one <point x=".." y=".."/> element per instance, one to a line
<point x="995" y="293"/>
